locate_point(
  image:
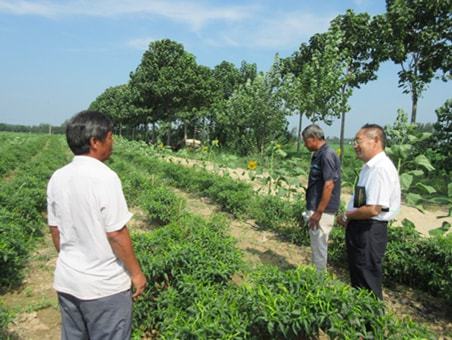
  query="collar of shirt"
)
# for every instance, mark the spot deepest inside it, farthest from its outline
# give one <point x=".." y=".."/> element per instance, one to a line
<point x="375" y="159"/>
<point x="320" y="150"/>
<point x="88" y="159"/>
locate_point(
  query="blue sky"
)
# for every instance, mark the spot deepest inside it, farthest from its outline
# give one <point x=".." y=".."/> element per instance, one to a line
<point x="56" y="57"/>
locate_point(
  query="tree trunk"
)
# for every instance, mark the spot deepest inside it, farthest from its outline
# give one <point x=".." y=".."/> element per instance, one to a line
<point x="341" y="142"/>
<point x="414" y="98"/>
<point x="153" y="133"/>
<point x="299" y="132"/>
<point x="168" y="136"/>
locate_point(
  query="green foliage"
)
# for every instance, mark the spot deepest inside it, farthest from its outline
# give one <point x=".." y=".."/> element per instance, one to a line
<point x="419" y="37"/>
<point x="5" y="319"/>
<point x="22" y="201"/>
<point x="442" y="137"/>
<point x="15" y="245"/>
<point x="162" y="205"/>
<point x="198" y="310"/>
<point x="425" y="263"/>
<point x="189" y="246"/>
<point x="300" y="303"/>
<point x="254" y="116"/>
<point x="412" y="165"/>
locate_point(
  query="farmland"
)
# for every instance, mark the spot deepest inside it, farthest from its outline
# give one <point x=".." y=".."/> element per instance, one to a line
<point x="225" y="258"/>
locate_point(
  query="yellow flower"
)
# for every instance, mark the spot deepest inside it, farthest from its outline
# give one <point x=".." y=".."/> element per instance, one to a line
<point x="215" y="142"/>
<point x="252" y="165"/>
<point x="338" y="151"/>
<point x="205" y="149"/>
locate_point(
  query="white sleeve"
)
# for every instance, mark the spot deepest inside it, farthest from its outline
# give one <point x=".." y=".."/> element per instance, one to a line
<point x="52" y="214"/>
<point x="113" y="205"/>
<point x="379" y="188"/>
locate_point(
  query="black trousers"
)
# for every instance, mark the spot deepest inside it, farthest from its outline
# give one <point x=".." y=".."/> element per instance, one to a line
<point x="366" y="244"/>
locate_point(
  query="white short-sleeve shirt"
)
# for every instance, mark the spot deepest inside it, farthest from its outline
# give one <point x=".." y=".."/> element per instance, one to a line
<point x="85" y="201"/>
<point x="381" y="181"/>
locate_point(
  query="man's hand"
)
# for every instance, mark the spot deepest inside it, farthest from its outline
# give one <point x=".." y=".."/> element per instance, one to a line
<point x="314" y="220"/>
<point x="139" y="283"/>
<point x="342" y="220"/>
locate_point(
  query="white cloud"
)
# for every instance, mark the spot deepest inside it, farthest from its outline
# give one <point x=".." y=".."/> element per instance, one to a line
<point x="195" y="14"/>
<point x="140" y="43"/>
<point x="279" y="31"/>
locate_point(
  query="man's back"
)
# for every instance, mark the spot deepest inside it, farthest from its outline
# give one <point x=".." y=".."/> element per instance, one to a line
<point x="86" y="202"/>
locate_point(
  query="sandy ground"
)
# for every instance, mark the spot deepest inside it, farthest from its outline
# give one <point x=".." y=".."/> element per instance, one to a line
<point x="428" y="220"/>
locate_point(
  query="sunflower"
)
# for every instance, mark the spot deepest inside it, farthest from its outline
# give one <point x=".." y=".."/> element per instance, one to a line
<point x="252" y="165"/>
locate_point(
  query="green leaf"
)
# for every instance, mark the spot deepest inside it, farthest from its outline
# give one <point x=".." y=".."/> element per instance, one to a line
<point x="424" y="162"/>
<point x="406" y="223"/>
<point x="413" y="199"/>
<point x="427" y="188"/>
<point x="405" y="181"/>
<point x="441" y="230"/>
<point x="416" y="173"/>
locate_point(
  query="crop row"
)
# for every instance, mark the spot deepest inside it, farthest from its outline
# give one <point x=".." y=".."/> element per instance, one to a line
<point x="18" y="148"/>
<point x="22" y="202"/>
<point x="200" y="287"/>
<point x="423" y="263"/>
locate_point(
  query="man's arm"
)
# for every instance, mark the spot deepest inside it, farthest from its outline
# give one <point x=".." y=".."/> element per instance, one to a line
<point x="55" y="233"/>
<point x="122" y="247"/>
<point x="324" y="200"/>
<point x="362" y="213"/>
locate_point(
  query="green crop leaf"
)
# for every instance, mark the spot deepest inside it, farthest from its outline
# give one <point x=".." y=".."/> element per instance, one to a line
<point x="427" y="188"/>
<point x="423" y="161"/>
<point x="445" y="226"/>
<point x="405" y="181"/>
<point x="416" y="173"/>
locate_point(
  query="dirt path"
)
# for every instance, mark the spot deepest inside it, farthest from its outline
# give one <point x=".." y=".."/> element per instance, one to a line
<point x="258" y="246"/>
<point x="424" y="222"/>
<point x="35" y="303"/>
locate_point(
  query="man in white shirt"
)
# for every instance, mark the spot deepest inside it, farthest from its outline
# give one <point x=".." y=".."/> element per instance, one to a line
<point x="376" y="200"/>
<point x="87" y="216"/>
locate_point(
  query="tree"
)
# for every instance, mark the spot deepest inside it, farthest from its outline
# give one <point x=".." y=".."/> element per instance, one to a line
<point x="117" y="102"/>
<point x="419" y="33"/>
<point x="317" y="87"/>
<point x="199" y="99"/>
<point x="362" y="49"/>
<point x="165" y="80"/>
<point x="254" y="116"/>
<point x="227" y="78"/>
<point x="247" y="71"/>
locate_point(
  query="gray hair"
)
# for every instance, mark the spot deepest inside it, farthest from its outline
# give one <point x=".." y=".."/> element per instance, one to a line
<point x="313" y="131"/>
<point x="84" y="126"/>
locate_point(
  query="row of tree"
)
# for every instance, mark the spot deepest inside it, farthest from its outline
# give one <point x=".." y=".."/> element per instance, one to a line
<point x="243" y="109"/>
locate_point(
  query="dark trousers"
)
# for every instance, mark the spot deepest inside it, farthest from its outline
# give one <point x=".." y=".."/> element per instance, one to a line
<point x="366" y="244"/>
<point x="108" y="318"/>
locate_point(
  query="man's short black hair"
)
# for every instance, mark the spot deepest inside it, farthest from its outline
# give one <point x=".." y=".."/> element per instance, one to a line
<point x="373" y="130"/>
<point x="84" y="126"/>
